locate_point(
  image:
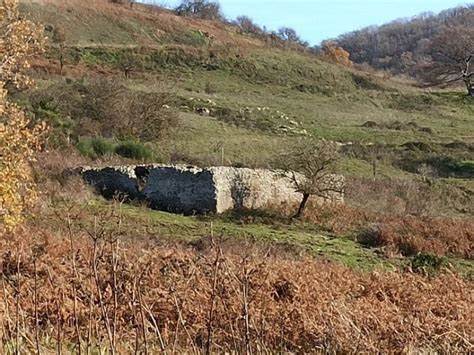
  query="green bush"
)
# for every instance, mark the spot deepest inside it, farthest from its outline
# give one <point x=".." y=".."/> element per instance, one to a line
<point x="133" y="150"/>
<point x="427" y="263"/>
<point x="95" y="147"/>
<point x="101" y="147"/>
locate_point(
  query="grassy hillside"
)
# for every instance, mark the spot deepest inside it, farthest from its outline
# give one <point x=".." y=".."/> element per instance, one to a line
<point x="393" y="265"/>
<point x="303" y="95"/>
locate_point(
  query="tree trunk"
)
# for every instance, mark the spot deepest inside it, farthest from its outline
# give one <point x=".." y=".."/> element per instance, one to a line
<point x="470" y="90"/>
<point x="468" y="75"/>
<point x="61" y="64"/>
<point x="302" y="206"/>
<point x="469" y="81"/>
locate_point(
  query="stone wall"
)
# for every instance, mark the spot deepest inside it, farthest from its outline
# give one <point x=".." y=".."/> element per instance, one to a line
<point x="238" y="188"/>
<point x="180" y="189"/>
<point x="188" y="190"/>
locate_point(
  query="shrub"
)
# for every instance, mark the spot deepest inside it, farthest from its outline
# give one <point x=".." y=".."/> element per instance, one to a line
<point x="147" y="116"/>
<point x="427" y="263"/>
<point x="246" y="25"/>
<point x="101" y="147"/>
<point x="334" y="53"/>
<point x="108" y="108"/>
<point x="411" y="236"/>
<point x="95" y="147"/>
<point x="289" y="34"/>
<point x="133" y="150"/>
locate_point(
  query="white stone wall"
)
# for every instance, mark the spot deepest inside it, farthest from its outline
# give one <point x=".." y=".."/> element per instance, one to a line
<point x="238" y="188"/>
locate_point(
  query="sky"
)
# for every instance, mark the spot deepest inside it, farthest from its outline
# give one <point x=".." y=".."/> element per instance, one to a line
<point x="316" y="20"/>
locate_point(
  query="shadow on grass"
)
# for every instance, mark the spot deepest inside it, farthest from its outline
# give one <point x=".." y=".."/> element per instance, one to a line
<point x="251" y="216"/>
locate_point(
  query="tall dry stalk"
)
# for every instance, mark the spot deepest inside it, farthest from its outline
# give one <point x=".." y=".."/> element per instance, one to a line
<point x="105" y="315"/>
<point x="213" y="295"/>
<point x="35" y="300"/>
<point x="75" y="279"/>
<point x="17" y="308"/>
<point x="246" y="311"/>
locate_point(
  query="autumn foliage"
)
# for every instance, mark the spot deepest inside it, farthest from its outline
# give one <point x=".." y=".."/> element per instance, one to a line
<point x="336" y="54"/>
<point x="20" y="39"/>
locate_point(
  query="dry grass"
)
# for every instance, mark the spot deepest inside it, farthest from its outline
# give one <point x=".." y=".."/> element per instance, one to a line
<point x="163" y="20"/>
<point x="93" y="289"/>
<point x="402" y="234"/>
<point x="401" y="197"/>
<point x="337" y="218"/>
<point x="411" y="235"/>
<point x="405" y="235"/>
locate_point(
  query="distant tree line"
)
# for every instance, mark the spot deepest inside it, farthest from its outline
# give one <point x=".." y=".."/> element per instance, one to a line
<point x="400" y="44"/>
<point x="284" y="37"/>
<point x="435" y="49"/>
<point x="211" y="10"/>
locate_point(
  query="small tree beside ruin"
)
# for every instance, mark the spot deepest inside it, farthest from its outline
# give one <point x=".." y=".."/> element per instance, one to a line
<point x="312" y="165"/>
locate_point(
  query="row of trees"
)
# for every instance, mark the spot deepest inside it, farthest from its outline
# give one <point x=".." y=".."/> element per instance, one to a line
<point x="283" y="37"/>
<point x="436" y="49"/>
<point x="394" y="45"/>
<point x="211" y="10"/>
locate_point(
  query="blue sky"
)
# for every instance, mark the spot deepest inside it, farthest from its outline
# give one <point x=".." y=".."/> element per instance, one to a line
<point x="316" y="20"/>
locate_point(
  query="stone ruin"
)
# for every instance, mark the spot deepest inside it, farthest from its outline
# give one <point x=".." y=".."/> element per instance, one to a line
<point x="190" y="190"/>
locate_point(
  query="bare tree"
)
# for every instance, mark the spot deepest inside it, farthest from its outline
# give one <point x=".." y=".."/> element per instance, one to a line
<point x="204" y="9"/>
<point x="289" y="34"/>
<point x="452" y="57"/>
<point x="312" y="165"/>
<point x="127" y="63"/>
<point x="247" y="25"/>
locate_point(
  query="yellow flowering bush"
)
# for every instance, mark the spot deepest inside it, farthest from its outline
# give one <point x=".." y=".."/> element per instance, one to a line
<point x="19" y="139"/>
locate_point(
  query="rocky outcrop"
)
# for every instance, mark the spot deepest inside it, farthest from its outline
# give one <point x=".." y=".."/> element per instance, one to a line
<point x="189" y="189"/>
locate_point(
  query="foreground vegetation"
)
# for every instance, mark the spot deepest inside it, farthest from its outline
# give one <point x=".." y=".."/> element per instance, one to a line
<point x="92" y="291"/>
<point x="112" y="278"/>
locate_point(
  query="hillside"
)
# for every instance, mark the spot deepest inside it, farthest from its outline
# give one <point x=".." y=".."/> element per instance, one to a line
<point x="391" y="267"/>
<point x="237" y="90"/>
<point x="233" y="99"/>
<point x="174" y="53"/>
<point x="403" y="44"/>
